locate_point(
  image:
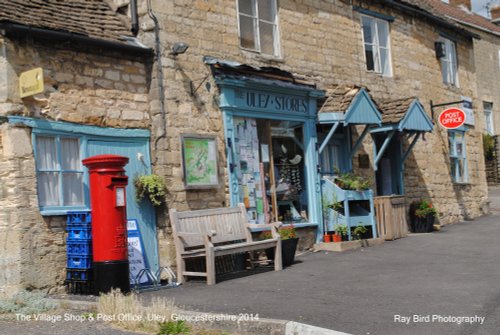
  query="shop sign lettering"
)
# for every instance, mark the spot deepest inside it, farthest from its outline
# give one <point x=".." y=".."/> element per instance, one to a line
<point x="452" y="118"/>
<point x="279" y="103"/>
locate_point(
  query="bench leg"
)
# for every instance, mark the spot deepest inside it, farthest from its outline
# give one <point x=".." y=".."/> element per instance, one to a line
<point x="210" y="266"/>
<point x="181" y="268"/>
<point x="278" y="262"/>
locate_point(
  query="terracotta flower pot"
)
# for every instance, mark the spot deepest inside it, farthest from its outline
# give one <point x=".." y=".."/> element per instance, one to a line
<point x="337" y="238"/>
<point x="326" y="238"/>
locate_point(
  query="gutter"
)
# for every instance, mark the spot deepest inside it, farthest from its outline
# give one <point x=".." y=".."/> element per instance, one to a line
<point x="64" y="36"/>
<point x="423" y="13"/>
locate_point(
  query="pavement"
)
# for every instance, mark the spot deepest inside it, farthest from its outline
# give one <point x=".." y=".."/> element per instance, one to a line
<point x="446" y="275"/>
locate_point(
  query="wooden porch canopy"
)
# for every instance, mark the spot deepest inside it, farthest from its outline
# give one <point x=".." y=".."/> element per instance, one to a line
<point x="348" y="105"/>
<point x="407" y="116"/>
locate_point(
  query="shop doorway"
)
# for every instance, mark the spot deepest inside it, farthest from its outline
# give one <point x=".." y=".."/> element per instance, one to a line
<point x="388" y="175"/>
<point x="271" y="169"/>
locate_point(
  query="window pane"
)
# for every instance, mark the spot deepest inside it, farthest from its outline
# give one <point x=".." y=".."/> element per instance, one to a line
<point x="266" y="10"/>
<point x="247" y="33"/>
<point x="385" y="61"/>
<point x="369" y="57"/>
<point x="453" y="163"/>
<point x="246" y="7"/>
<point x="73" y="189"/>
<point x="445" y="70"/>
<point x="46" y="154"/>
<point x="460" y="170"/>
<point x="367" y="30"/>
<point x="70" y="154"/>
<point x="266" y="38"/>
<point x="48" y="188"/>
<point x="383" y="33"/>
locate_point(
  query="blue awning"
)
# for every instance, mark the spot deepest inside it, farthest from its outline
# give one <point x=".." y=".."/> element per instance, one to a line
<point x="405" y="114"/>
<point x="349" y="105"/>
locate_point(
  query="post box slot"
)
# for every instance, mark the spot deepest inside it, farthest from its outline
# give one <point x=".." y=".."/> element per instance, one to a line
<point x="119" y="180"/>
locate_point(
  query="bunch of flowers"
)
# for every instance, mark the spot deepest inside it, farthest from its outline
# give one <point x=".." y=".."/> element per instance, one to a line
<point x="286" y="233"/>
<point x="423" y="208"/>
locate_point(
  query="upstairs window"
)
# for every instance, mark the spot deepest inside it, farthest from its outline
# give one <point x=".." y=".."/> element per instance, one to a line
<point x="488" y="117"/>
<point x="59" y="172"/>
<point x="258" y="26"/>
<point x="377" y="45"/>
<point x="449" y="64"/>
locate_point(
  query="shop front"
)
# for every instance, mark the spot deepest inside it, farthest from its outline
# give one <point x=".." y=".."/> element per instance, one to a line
<point x="270" y="135"/>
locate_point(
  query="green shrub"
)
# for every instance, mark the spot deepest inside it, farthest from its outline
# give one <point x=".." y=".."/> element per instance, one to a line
<point x="26" y="302"/>
<point x="151" y="187"/>
<point x="174" y="328"/>
<point x="489" y="147"/>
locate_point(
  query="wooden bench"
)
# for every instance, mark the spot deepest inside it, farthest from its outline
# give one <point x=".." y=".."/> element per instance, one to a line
<point x="216" y="232"/>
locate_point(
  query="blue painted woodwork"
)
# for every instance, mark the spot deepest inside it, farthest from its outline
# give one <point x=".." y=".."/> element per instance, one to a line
<point x="328" y="137"/>
<point x="354" y="214"/>
<point x="362" y="110"/>
<point x="416" y="119"/>
<point x="143" y="212"/>
<point x="273" y="100"/>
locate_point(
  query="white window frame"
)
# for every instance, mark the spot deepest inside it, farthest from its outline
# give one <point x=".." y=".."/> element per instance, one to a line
<point x="376" y="45"/>
<point x="488" y="117"/>
<point x="449" y="62"/>
<point x="60" y="172"/>
<point x="457" y="158"/>
<point x="256" y="22"/>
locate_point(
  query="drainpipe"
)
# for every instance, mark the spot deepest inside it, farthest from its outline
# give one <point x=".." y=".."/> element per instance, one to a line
<point x="159" y="75"/>
<point x="135" y="18"/>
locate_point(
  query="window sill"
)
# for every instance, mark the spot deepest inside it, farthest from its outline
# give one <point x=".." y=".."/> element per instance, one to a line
<point x="59" y="212"/>
<point x="380" y="74"/>
<point x="262" y="57"/>
<point x="295" y="225"/>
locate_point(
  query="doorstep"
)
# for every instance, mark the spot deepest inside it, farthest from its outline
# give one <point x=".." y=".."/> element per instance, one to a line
<point x="348" y="245"/>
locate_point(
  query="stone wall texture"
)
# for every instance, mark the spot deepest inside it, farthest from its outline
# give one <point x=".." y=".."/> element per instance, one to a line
<point x="320" y="41"/>
<point x="91" y="87"/>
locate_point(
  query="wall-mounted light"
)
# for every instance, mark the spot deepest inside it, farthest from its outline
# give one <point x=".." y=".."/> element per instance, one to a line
<point x="439" y="47"/>
<point x="179" y="48"/>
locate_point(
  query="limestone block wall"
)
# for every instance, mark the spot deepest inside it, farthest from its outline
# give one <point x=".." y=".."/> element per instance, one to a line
<point x="321" y="42"/>
<point x="86" y="86"/>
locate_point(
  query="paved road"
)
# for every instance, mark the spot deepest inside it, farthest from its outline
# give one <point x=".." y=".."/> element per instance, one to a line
<point x="455" y="272"/>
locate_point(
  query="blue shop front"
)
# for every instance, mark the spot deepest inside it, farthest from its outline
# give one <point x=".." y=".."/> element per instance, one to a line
<point x="270" y="135"/>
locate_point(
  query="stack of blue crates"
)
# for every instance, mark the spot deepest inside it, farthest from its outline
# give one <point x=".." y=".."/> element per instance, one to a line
<point x="79" y="253"/>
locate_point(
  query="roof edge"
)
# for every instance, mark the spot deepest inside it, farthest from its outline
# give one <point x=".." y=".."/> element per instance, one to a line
<point x="20" y="29"/>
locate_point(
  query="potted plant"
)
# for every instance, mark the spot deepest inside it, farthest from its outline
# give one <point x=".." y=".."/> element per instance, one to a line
<point x="289" y="242"/>
<point x="422" y="216"/>
<point x="151" y="187"/>
<point x="341" y="229"/>
<point x="359" y="232"/>
<point x="349" y="181"/>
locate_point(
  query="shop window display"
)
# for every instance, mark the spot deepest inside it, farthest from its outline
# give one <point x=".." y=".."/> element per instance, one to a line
<point x="270" y="170"/>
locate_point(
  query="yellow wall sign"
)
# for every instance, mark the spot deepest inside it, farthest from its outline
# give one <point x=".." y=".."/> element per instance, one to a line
<point x="31" y="82"/>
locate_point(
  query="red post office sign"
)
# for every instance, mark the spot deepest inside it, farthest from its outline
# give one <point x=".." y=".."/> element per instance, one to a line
<point x="452" y="118"/>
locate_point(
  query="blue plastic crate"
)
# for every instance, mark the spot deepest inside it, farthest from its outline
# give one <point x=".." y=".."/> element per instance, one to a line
<point x="79" y="233"/>
<point x="78" y="274"/>
<point x="79" y="218"/>
<point x="79" y="261"/>
<point x="79" y="247"/>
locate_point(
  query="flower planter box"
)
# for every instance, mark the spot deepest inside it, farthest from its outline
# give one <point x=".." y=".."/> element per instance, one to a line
<point x="423" y="225"/>
<point x="288" y="249"/>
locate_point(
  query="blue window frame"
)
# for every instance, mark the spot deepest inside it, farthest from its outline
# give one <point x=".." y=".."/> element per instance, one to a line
<point x="59" y="172"/>
<point x="458" y="156"/>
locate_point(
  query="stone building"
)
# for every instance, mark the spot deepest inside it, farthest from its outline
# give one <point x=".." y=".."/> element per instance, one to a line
<point x="486" y="61"/>
<point x="258" y="94"/>
<point x="92" y="82"/>
<point x="249" y="69"/>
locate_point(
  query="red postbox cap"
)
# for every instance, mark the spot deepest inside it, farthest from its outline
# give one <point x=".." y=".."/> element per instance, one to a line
<point x="105" y="162"/>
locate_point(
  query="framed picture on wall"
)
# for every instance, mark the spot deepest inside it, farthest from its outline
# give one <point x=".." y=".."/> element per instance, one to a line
<point x="199" y="161"/>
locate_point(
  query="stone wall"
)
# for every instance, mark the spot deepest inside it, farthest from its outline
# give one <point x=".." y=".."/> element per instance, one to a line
<point x="320" y="41"/>
<point x="87" y="86"/>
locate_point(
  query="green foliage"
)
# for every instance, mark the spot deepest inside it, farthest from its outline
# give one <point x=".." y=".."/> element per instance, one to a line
<point x="26" y="302"/>
<point x="152" y="187"/>
<point x="341" y="229"/>
<point x="349" y="181"/>
<point x="174" y="328"/>
<point x="489" y="147"/>
<point x="337" y="206"/>
<point x="359" y="231"/>
<point x="285" y="233"/>
<point x="423" y="208"/>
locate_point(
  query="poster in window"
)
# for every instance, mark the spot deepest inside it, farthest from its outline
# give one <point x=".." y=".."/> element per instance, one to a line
<point x="199" y="161"/>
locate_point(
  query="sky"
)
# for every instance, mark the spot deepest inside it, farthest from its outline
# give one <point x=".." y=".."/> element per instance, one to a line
<point x="479" y="6"/>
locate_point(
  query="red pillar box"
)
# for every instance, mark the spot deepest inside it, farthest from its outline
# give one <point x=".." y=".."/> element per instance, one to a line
<point x="109" y="222"/>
